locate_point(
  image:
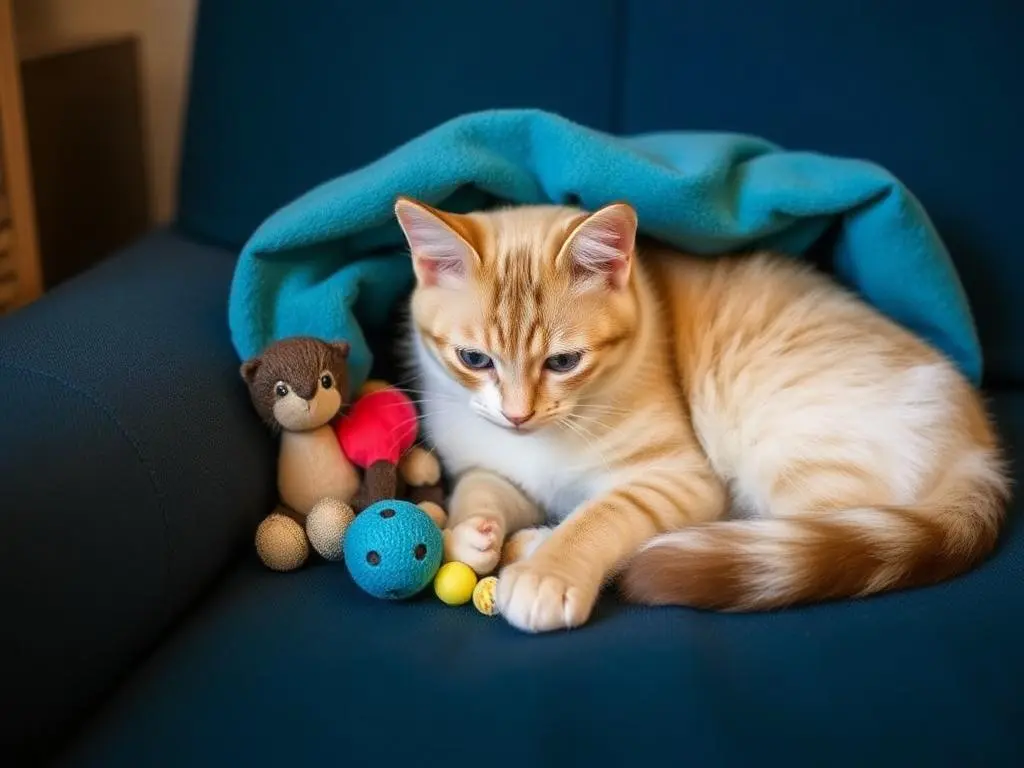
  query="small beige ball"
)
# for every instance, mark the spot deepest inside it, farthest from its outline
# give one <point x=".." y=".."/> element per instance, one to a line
<point x="281" y="543"/>
<point x="326" y="526"/>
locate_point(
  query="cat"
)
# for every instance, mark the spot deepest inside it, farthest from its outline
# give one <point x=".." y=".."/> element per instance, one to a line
<point x="734" y="433"/>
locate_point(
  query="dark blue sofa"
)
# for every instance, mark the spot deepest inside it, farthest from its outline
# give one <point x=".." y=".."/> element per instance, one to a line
<point x="139" y="628"/>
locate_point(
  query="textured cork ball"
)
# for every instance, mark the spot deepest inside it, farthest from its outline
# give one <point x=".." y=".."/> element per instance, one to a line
<point x="326" y="526"/>
<point x="281" y="543"/>
<point x="393" y="549"/>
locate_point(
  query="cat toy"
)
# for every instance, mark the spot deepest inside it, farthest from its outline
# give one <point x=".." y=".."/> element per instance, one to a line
<point x="394" y="550"/>
<point x="456" y="584"/>
<point x="327" y="440"/>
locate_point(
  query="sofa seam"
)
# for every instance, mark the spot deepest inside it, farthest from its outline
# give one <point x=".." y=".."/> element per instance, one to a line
<point x="136" y="448"/>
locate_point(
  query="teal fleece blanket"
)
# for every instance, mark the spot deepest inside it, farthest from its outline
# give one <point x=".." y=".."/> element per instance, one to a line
<point x="333" y="262"/>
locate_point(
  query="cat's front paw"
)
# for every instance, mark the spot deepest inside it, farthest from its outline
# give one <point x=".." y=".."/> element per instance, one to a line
<point x="521" y="544"/>
<point x="535" y="598"/>
<point x="476" y="541"/>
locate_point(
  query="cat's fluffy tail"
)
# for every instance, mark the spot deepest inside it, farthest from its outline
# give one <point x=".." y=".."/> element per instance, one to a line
<point x="754" y="565"/>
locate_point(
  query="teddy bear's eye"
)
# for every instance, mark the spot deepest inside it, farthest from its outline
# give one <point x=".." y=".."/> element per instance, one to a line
<point x="281" y="390"/>
<point x="326" y="381"/>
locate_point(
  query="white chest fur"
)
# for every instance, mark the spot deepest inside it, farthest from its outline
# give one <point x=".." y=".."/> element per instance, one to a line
<point x="555" y="468"/>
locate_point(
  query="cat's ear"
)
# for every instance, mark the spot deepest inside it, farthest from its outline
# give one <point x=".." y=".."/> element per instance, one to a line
<point x="600" y="249"/>
<point x="440" y="255"/>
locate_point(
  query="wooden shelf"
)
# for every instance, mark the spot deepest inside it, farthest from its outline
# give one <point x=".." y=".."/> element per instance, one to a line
<point x="20" y="271"/>
<point x="8" y="273"/>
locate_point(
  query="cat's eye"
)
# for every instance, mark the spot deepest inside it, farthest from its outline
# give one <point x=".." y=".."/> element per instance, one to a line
<point x="281" y="390"/>
<point x="326" y="380"/>
<point x="563" y="362"/>
<point x="475" y="359"/>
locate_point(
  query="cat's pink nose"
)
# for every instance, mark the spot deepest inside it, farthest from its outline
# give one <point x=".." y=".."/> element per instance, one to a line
<point x="517" y="419"/>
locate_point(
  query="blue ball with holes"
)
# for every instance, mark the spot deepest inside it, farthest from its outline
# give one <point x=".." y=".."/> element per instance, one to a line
<point x="393" y="549"/>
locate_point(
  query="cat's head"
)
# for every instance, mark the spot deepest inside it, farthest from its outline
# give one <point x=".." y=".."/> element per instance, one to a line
<point x="531" y="310"/>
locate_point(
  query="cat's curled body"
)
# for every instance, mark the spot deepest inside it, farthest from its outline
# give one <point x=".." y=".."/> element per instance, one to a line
<point x="735" y="433"/>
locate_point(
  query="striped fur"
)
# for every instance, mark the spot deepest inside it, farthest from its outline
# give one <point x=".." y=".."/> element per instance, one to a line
<point x="739" y="433"/>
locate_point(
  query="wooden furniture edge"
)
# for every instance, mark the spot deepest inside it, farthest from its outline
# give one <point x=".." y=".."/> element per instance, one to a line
<point x="17" y="173"/>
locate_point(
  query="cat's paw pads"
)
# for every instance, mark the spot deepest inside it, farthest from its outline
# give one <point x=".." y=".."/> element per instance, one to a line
<point x="522" y="544"/>
<point x="476" y="541"/>
<point x="537" y="599"/>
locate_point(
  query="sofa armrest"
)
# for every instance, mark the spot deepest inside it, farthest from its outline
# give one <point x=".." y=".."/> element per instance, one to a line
<point x="132" y="470"/>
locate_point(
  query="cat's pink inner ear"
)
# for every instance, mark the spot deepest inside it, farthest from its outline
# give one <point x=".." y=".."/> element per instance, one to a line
<point x="440" y="255"/>
<point x="601" y="249"/>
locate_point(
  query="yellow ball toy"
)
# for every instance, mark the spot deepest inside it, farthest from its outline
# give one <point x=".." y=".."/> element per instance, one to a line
<point x="483" y="596"/>
<point x="454" y="583"/>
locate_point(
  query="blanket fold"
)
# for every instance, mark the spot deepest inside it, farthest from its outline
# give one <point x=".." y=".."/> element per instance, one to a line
<point x="333" y="263"/>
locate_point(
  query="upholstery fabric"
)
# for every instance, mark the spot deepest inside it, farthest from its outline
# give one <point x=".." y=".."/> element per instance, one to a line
<point x="929" y="90"/>
<point x="304" y="669"/>
<point x="285" y="97"/>
<point x="133" y="470"/>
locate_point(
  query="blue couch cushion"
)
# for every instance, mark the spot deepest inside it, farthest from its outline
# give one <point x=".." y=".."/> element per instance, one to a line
<point x="303" y="669"/>
<point x="932" y="91"/>
<point x="285" y="96"/>
<point x="133" y="468"/>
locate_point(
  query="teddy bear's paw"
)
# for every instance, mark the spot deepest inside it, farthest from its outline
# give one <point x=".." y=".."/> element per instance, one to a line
<point x="419" y="467"/>
<point x="326" y="525"/>
<point x="476" y="541"/>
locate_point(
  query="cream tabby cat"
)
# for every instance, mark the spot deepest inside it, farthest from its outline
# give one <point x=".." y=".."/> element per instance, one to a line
<point x="728" y="433"/>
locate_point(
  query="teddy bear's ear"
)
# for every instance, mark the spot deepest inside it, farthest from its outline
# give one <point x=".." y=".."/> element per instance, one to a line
<point x="249" y="369"/>
<point x="342" y="348"/>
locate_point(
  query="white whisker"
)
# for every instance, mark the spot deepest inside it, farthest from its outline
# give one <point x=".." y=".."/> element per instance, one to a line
<point x="589" y="438"/>
<point x="601" y="408"/>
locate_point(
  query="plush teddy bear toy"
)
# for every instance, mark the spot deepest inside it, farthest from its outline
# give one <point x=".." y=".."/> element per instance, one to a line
<point x="378" y="434"/>
<point x="300" y="387"/>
